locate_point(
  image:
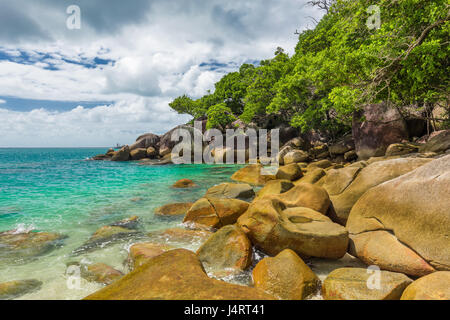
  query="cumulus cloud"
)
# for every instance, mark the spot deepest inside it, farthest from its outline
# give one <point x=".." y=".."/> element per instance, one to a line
<point x="143" y="53"/>
<point x="104" y="125"/>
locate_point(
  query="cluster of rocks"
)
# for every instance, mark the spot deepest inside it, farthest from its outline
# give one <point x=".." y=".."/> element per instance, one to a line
<point x="389" y="212"/>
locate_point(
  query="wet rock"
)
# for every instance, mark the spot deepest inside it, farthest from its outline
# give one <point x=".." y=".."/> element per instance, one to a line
<point x="105" y="235"/>
<point x="14" y="289"/>
<point x="435" y="286"/>
<point x="353" y="284"/>
<point x="181" y="235"/>
<point x="174" y="209"/>
<point x="16" y="246"/>
<point x="285" y="276"/>
<point x="231" y="191"/>
<point x="128" y="223"/>
<point x="141" y="253"/>
<point x="184" y="183"/>
<point x="174" y="275"/>
<point x="99" y="272"/>
<point x="228" y="248"/>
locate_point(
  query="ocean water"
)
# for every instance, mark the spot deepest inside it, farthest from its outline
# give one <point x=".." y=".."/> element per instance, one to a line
<point x="59" y="190"/>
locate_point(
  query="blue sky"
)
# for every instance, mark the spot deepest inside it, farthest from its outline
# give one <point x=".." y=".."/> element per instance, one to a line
<point x="112" y="79"/>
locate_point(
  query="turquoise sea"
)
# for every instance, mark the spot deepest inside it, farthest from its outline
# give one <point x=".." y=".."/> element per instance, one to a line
<point x="59" y="190"/>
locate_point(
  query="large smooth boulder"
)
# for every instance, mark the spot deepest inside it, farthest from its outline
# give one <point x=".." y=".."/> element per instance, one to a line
<point x="174" y="275"/>
<point x="305" y="195"/>
<point x="362" y="284"/>
<point x="174" y="209"/>
<point x="414" y="209"/>
<point x="253" y="174"/>
<point x="145" y="141"/>
<point x="295" y="156"/>
<point x="369" y="177"/>
<point x="435" y="286"/>
<point x="285" y="276"/>
<point x="273" y="227"/>
<point x="289" y="172"/>
<point x="231" y="191"/>
<point x="122" y="155"/>
<point x="275" y="187"/>
<point x="228" y="248"/>
<point x="440" y="142"/>
<point x="141" y="253"/>
<point x="16" y="246"/>
<point x="381" y="126"/>
<point x="214" y="212"/>
<point x="14" y="289"/>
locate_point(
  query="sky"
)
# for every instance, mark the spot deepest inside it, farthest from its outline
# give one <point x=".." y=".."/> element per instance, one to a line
<point x="112" y="79"/>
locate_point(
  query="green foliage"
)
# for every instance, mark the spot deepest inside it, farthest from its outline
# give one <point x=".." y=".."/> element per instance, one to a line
<point x="342" y="65"/>
<point x="219" y="116"/>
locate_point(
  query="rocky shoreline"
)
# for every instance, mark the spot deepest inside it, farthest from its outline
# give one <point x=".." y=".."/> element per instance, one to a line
<point x="389" y="212"/>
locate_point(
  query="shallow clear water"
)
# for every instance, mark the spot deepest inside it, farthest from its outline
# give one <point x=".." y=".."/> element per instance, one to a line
<point x="57" y="190"/>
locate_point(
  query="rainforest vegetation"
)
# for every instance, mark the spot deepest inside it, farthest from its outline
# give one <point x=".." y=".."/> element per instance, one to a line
<point x="348" y="60"/>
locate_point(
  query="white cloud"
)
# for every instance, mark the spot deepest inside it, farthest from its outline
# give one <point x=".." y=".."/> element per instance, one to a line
<point x="157" y="49"/>
<point x="2" y="101"/>
<point x="120" y="122"/>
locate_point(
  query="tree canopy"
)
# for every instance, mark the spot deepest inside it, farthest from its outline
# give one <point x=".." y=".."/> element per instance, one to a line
<point x="341" y="65"/>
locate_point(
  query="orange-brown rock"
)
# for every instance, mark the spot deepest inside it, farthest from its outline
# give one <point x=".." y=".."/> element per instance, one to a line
<point x="285" y="276"/>
<point x="228" y="248"/>
<point x="273" y="228"/>
<point x="184" y="183"/>
<point x="215" y="213"/>
<point x="253" y="174"/>
<point x="174" y="275"/>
